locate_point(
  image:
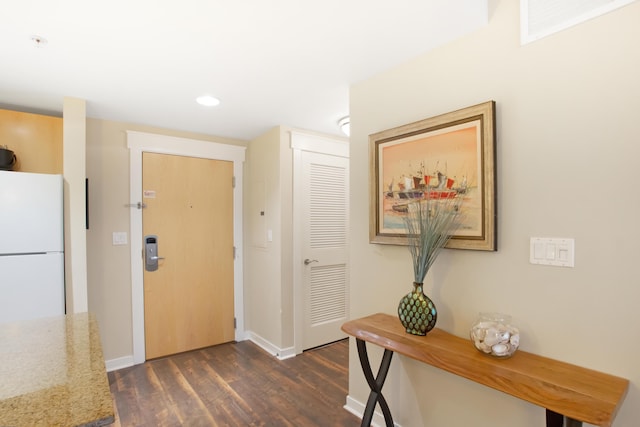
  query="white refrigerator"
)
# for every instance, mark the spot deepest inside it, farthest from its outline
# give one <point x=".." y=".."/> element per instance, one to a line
<point x="31" y="246"/>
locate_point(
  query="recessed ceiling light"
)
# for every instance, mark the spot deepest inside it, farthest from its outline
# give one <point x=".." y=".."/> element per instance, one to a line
<point x="207" y="100"/>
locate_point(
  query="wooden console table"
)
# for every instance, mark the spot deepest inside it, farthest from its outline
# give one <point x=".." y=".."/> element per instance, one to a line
<point x="568" y="392"/>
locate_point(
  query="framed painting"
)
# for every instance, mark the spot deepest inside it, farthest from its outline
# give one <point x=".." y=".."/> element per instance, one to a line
<point x="447" y="156"/>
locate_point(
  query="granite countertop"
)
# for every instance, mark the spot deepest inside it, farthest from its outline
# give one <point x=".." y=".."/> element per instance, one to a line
<point x="52" y="373"/>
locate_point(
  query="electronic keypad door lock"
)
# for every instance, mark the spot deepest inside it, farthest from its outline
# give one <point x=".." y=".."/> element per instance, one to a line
<point x="151" y="253"/>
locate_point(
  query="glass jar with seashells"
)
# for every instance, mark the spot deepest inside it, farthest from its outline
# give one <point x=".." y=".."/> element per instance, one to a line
<point x="493" y="334"/>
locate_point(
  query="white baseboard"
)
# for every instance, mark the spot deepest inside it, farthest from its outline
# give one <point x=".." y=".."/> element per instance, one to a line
<point x="280" y="353"/>
<point x="357" y="409"/>
<point x="119" y="363"/>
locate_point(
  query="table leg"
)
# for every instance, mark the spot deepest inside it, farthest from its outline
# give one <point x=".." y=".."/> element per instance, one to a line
<point x="558" y="420"/>
<point x="375" y="384"/>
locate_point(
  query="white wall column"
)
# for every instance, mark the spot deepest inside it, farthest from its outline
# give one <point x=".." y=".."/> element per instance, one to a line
<point x="75" y="233"/>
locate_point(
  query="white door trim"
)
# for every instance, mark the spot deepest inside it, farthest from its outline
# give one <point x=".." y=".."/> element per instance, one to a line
<point x="305" y="142"/>
<point x="139" y="142"/>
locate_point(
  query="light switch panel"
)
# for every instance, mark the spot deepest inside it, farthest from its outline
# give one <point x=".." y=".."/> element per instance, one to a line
<point x="119" y="238"/>
<point x="559" y="252"/>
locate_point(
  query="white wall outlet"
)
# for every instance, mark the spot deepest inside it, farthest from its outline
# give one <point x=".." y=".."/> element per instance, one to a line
<point x="556" y="251"/>
<point x="119" y="238"/>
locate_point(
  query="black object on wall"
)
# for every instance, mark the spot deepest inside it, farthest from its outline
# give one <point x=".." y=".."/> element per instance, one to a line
<point x="86" y="202"/>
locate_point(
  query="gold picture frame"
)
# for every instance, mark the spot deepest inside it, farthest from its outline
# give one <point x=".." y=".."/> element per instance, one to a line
<point x="446" y="156"/>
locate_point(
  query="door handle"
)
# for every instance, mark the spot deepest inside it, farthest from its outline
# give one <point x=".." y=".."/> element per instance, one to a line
<point x="151" y="257"/>
<point x="309" y="261"/>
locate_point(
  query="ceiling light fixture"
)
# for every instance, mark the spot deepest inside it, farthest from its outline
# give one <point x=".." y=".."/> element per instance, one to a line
<point x="207" y="100"/>
<point x="344" y="125"/>
<point x="38" y="41"/>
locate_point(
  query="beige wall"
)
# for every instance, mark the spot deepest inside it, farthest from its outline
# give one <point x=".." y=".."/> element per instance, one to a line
<point x="108" y="266"/>
<point x="567" y="151"/>
<point x="286" y="234"/>
<point x="263" y="272"/>
<point x="75" y="231"/>
<point x="268" y="264"/>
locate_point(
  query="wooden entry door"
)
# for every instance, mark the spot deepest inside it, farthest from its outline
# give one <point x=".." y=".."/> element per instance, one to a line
<point x="188" y="300"/>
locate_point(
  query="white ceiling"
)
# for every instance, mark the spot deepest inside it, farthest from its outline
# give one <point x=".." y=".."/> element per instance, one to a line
<point x="270" y="62"/>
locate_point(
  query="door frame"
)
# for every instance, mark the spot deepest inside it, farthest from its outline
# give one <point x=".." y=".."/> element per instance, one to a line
<point x="140" y="142"/>
<point x="319" y="144"/>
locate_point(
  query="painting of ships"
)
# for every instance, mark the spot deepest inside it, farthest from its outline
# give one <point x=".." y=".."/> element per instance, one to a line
<point x="423" y="186"/>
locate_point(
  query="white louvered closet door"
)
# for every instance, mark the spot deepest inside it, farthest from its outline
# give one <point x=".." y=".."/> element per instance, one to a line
<point x="325" y="207"/>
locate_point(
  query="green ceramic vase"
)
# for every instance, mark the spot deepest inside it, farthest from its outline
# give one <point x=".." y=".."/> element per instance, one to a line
<point x="417" y="312"/>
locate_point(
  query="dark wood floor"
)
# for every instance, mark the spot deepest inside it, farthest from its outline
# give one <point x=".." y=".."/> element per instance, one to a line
<point x="235" y="384"/>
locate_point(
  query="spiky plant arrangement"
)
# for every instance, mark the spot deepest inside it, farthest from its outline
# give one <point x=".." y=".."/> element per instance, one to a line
<point x="430" y="223"/>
